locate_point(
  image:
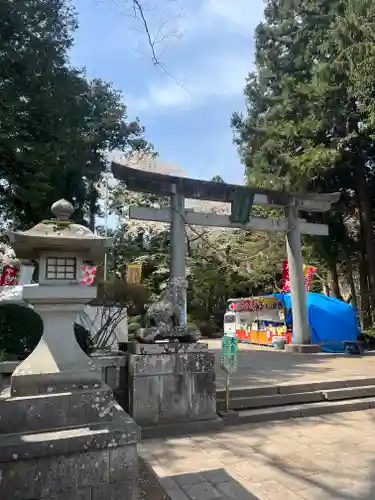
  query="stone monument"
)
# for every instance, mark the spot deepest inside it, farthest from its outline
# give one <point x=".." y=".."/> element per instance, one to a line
<point x="62" y="435"/>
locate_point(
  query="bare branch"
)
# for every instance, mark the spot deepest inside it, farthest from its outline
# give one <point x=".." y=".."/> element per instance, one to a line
<point x="138" y="10"/>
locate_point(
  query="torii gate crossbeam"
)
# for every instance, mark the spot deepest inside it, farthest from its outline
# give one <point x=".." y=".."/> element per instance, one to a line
<point x="180" y="188"/>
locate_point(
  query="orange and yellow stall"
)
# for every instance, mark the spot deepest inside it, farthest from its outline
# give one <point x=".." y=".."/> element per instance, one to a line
<point x="257" y="320"/>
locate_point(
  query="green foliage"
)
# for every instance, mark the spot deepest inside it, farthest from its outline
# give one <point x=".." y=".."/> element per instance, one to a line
<point x="133" y="328"/>
<point x="135" y="319"/>
<point x="55" y="125"/>
<point x="218" y="179"/>
<point x="232" y="264"/>
<point x="20" y="330"/>
<point x="370" y="332"/>
<point x="283" y="140"/>
<point x="3" y="355"/>
<point x="309" y="123"/>
<point x="117" y="292"/>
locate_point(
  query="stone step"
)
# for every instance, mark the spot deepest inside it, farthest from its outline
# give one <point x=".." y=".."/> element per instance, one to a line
<point x="37" y="413"/>
<point x="297" y="411"/>
<point x="243" y="403"/>
<point x="290" y="388"/>
<point x="349" y="393"/>
<point x="247" y="403"/>
<point x="120" y="432"/>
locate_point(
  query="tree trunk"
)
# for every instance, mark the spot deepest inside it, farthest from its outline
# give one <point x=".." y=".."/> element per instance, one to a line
<point x="326" y="286"/>
<point x="367" y="235"/>
<point x="335" y="282"/>
<point x="365" y="313"/>
<point x="92" y="199"/>
<point x="349" y="276"/>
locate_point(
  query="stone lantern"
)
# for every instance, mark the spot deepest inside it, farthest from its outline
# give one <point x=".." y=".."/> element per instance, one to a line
<point x="62" y="435"/>
<point x="61" y="247"/>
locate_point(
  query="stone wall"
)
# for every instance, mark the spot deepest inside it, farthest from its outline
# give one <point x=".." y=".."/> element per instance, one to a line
<point x="114" y="373"/>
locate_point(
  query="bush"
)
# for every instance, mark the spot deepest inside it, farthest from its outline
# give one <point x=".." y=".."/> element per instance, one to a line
<point x="135" y="319"/>
<point x="20" y="330"/>
<point x="133" y="297"/>
<point x="192" y="325"/>
<point x="133" y="328"/>
<point x="370" y="332"/>
<point x="206" y="328"/>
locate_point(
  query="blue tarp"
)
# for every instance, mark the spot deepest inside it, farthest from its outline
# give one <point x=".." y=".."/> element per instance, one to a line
<point x="332" y="321"/>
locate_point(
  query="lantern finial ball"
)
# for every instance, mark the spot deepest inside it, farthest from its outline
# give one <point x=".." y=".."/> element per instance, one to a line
<point x="62" y="209"/>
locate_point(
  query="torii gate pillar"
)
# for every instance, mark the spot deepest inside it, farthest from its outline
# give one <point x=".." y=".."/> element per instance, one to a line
<point x="178" y="250"/>
<point x="301" y="329"/>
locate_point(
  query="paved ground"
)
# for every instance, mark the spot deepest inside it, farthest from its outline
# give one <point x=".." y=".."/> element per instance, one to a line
<point x="261" y="366"/>
<point x="317" y="458"/>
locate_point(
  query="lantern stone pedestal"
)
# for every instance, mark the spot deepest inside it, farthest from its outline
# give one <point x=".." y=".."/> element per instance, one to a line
<point x="172" y="388"/>
<point x="62" y="435"/>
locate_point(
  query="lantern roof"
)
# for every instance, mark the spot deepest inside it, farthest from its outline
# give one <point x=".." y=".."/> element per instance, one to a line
<point x="59" y="233"/>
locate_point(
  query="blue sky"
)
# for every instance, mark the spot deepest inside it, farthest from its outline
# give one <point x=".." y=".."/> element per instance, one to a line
<point x="207" y="45"/>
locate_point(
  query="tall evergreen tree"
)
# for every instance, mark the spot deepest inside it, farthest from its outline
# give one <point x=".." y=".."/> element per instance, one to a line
<point x="55" y="125"/>
<point x="309" y="112"/>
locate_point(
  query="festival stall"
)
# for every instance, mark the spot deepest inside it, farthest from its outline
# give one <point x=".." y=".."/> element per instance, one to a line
<point x="256" y="320"/>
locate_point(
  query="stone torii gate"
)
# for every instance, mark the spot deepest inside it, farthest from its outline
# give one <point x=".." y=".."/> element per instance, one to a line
<point x="242" y="199"/>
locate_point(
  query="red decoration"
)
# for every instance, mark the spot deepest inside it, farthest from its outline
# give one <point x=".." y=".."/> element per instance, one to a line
<point x="88" y="275"/>
<point x="9" y="276"/>
<point x="308" y="272"/>
<point x="286" y="281"/>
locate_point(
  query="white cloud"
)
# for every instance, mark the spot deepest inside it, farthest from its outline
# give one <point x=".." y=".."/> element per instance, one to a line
<point x="222" y="77"/>
<point x="215" y="17"/>
<point x="245" y="14"/>
<point x="214" y="56"/>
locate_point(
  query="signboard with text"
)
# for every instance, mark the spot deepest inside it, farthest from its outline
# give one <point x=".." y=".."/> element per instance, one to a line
<point x="229" y="353"/>
<point x="133" y="273"/>
<point x="254" y="304"/>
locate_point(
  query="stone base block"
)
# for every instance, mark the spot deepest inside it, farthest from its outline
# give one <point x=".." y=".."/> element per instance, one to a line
<point x="303" y="348"/>
<point x="171" y="384"/>
<point x="78" y="445"/>
<point x="34" y="413"/>
<point x="89" y="463"/>
<point x="25" y="384"/>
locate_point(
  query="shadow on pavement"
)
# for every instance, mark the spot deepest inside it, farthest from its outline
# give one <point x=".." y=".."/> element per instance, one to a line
<point x="150" y="487"/>
<point x="206" y="485"/>
<point x="334" y="469"/>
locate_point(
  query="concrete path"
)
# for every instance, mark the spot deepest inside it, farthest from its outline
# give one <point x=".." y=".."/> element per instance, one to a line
<point x="316" y="458"/>
<point x="261" y="366"/>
